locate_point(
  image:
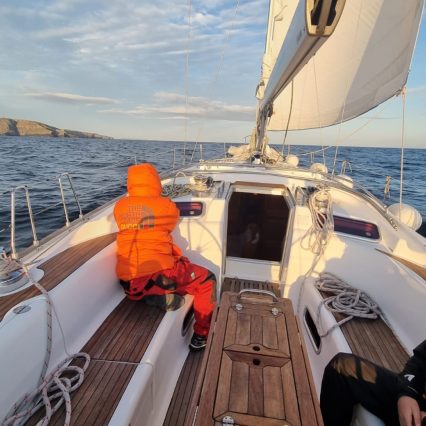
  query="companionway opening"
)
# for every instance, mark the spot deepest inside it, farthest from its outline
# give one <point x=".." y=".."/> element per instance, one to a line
<point x="257" y="225"/>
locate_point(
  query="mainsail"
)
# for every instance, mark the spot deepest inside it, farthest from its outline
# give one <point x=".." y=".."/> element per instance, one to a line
<point x="362" y="64"/>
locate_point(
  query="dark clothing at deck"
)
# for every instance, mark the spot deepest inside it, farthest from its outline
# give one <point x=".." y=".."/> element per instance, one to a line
<point x="350" y="380"/>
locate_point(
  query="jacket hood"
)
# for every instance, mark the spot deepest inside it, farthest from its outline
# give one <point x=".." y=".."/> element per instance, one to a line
<point x="143" y="181"/>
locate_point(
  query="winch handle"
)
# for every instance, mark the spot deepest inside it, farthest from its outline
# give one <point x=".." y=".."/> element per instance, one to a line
<point x="255" y="291"/>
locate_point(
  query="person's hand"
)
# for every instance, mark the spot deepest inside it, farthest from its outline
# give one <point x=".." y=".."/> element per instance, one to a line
<point x="409" y="412"/>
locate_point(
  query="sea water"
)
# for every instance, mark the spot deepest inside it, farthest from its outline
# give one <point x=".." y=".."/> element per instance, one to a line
<point x="99" y="167"/>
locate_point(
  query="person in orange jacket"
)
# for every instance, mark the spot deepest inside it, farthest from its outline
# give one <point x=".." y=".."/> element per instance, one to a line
<point x="149" y="265"/>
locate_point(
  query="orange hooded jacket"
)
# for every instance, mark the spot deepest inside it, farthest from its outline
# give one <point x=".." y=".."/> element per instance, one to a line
<point x="145" y="221"/>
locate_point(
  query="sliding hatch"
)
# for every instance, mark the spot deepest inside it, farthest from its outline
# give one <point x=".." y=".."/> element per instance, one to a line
<point x="257" y="222"/>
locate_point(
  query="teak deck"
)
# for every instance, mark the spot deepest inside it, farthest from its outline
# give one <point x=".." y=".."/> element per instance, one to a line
<point x="116" y="349"/>
<point x="238" y="284"/>
<point x="180" y="411"/>
<point x="373" y="340"/>
<point x="256" y="372"/>
<point x="57" y="269"/>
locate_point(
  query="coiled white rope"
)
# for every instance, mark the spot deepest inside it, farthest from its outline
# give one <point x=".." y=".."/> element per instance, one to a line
<point x="318" y="235"/>
<point x="320" y="206"/>
<point x="52" y="386"/>
<point x="345" y="300"/>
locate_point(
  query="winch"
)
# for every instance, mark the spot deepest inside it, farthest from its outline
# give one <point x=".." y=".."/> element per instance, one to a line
<point x="201" y="185"/>
<point x="12" y="275"/>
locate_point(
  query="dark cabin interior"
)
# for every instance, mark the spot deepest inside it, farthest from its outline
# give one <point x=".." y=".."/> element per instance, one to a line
<point x="257" y="225"/>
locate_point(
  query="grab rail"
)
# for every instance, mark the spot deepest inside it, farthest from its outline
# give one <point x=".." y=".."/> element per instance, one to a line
<point x="80" y="212"/>
<point x="12" y="219"/>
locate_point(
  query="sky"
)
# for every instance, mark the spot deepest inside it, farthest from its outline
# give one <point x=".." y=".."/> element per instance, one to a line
<point x="120" y="68"/>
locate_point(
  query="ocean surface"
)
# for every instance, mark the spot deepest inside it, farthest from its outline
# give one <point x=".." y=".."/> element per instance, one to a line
<point x="98" y="169"/>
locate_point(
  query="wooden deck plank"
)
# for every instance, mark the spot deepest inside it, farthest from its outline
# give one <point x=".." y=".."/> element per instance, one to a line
<point x="57" y="269"/>
<point x="235" y="285"/>
<point x="131" y="326"/>
<point x="187" y="383"/>
<point x="373" y="340"/>
<point x="189" y="389"/>
<point x="180" y="403"/>
<point x="116" y="347"/>
<point x="126" y="333"/>
<point x="238" y="376"/>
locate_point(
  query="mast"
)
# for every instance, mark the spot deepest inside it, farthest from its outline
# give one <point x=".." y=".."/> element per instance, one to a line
<point x="313" y="21"/>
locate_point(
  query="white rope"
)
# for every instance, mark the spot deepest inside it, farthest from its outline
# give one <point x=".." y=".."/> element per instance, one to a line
<point x="52" y="386"/>
<point x="345" y="300"/>
<point x="320" y="205"/>
<point x="318" y="235"/>
<point x="7" y="265"/>
<point x="50" y="389"/>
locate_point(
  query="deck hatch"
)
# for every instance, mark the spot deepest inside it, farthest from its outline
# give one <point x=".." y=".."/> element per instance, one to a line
<point x="257" y="225"/>
<point x="256" y="371"/>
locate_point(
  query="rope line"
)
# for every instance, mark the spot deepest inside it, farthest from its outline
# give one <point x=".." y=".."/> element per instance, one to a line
<point x="345" y="300"/>
<point x="288" y="120"/>
<point x="212" y="84"/>
<point x="403" y="95"/>
<point x="318" y="235"/>
<point x="50" y="389"/>
<point x="51" y="386"/>
<point x="187" y="81"/>
<point x="320" y="206"/>
<point x="339" y="141"/>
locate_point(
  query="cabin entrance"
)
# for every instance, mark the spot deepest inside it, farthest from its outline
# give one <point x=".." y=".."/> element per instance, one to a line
<point x="256" y="231"/>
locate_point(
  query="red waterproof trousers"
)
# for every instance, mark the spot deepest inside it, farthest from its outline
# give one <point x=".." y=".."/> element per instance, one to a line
<point x="184" y="278"/>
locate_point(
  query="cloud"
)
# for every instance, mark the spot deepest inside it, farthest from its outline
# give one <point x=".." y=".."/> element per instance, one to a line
<point x="418" y="89"/>
<point x="130" y="50"/>
<point x="71" y="98"/>
<point x="174" y="106"/>
<point x="366" y="117"/>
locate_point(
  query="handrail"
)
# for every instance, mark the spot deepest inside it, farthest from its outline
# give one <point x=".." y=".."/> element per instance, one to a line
<point x="345" y="164"/>
<point x="12" y="219"/>
<point x="80" y="215"/>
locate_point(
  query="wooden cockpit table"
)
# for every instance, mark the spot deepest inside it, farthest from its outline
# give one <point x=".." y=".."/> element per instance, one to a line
<point x="255" y="369"/>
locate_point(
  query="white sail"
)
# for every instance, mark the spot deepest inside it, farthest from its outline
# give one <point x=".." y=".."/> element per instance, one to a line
<point x="363" y="63"/>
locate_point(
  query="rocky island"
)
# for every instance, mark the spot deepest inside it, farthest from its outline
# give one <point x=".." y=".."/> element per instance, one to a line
<point x="10" y="127"/>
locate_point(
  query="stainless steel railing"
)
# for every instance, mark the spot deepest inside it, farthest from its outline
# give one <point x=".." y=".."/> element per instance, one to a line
<point x="13" y="217"/>
<point x="61" y="186"/>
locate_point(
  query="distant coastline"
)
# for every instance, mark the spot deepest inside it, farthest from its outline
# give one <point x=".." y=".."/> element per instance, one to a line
<point x="11" y="127"/>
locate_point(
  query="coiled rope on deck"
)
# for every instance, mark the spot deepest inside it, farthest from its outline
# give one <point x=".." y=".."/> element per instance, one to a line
<point x="345" y="300"/>
<point x="53" y="387"/>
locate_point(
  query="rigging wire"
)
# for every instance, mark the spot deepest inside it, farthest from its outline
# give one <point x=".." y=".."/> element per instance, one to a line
<point x="403" y="96"/>
<point x="318" y="108"/>
<point x="288" y="120"/>
<point x="215" y="78"/>
<point x="187" y="81"/>
<point x="339" y="141"/>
